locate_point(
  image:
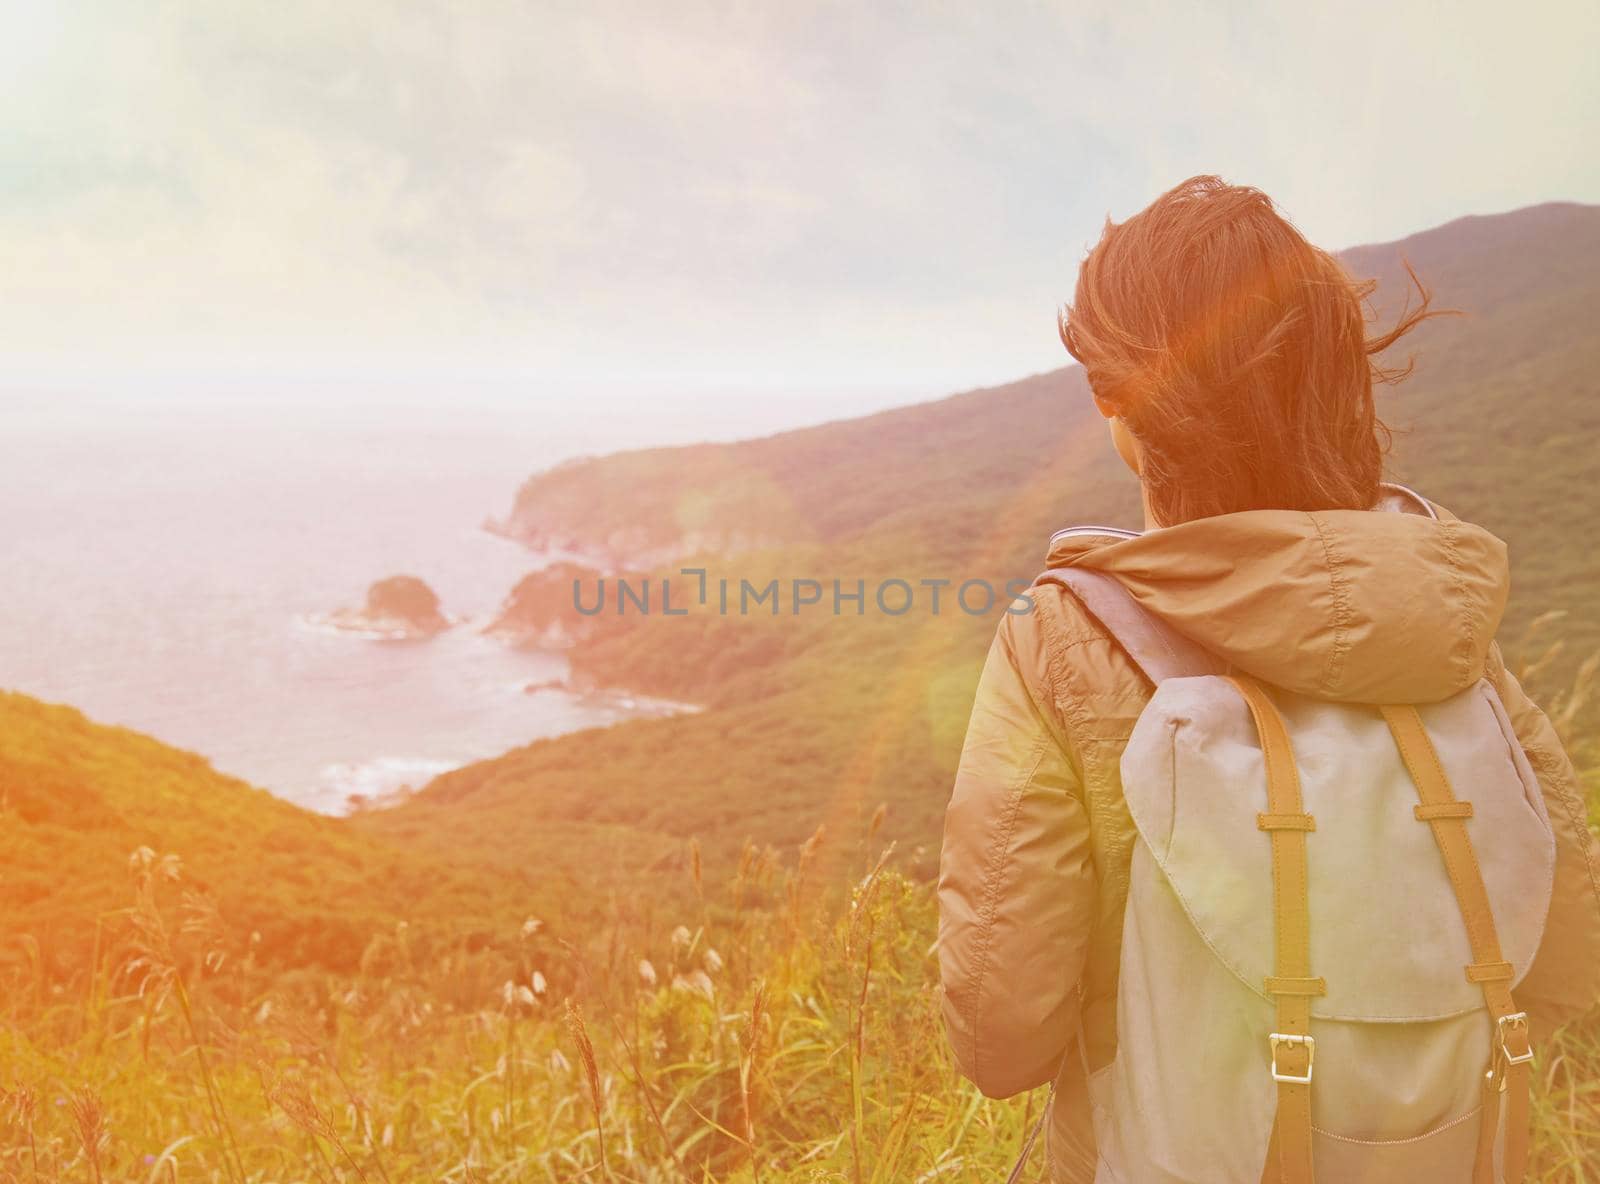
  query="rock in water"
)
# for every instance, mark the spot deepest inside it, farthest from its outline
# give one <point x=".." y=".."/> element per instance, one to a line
<point x="399" y="608"/>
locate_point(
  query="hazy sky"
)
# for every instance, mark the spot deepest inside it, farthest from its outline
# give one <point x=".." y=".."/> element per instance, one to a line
<point x="783" y="195"/>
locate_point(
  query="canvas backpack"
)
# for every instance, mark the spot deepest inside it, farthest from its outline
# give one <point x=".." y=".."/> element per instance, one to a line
<point x="1329" y="908"/>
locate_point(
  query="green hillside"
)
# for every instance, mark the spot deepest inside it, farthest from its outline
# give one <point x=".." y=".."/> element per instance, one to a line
<point x="78" y="798"/>
<point x="820" y="719"/>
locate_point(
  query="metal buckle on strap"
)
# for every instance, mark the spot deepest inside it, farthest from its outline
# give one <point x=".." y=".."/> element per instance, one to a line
<point x="1517" y="1021"/>
<point x="1293" y="1039"/>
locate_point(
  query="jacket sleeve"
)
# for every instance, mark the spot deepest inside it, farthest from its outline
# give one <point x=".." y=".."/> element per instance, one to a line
<point x="1016" y="879"/>
<point x="1564" y="981"/>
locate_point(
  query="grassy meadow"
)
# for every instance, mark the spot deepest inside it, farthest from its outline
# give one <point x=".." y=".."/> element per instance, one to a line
<point x="751" y="1022"/>
<point x="767" y="1027"/>
<point x="763" y="1026"/>
<point x="696" y="948"/>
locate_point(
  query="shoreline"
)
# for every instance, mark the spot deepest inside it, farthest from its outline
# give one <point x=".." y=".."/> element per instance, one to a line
<point x="622" y="704"/>
<point x="363" y="785"/>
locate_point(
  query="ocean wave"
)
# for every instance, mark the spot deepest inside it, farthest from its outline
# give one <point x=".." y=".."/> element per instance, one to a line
<point x="380" y="781"/>
<point x="351" y="626"/>
<point x="625" y="703"/>
<point x="326" y="625"/>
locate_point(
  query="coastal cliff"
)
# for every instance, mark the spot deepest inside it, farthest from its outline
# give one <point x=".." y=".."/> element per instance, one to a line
<point x="541" y="611"/>
<point x="644" y="509"/>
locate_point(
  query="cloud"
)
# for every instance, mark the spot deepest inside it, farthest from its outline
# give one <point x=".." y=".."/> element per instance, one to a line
<point x="829" y="193"/>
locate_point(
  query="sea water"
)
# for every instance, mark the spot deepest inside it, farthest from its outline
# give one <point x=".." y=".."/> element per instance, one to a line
<point x="168" y="561"/>
<point x="172" y="551"/>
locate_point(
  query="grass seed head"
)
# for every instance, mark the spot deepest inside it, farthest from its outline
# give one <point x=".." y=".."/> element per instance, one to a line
<point x="89" y="1117"/>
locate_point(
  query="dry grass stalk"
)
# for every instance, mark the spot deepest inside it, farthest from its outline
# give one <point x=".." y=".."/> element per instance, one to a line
<point x="641" y="1081"/>
<point x="90" y="1119"/>
<point x="797" y="882"/>
<point x="879" y="817"/>
<point x="1569" y="705"/>
<point x="591" y="1072"/>
<point x="859" y="937"/>
<point x="293" y="1096"/>
<point x="21" y="1106"/>
<point x="747" y="1071"/>
<point x="154" y="967"/>
<point x="1566" y="707"/>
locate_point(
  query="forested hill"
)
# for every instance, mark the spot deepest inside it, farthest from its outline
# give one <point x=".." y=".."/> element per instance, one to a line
<point x="822" y="718"/>
<point x="292" y="889"/>
<point x="1499" y="422"/>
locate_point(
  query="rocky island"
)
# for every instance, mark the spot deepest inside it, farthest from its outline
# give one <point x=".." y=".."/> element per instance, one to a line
<point x="399" y="608"/>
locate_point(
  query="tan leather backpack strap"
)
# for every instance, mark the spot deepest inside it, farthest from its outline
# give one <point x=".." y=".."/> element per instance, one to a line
<point x="1511" y="1053"/>
<point x="1292" y="1048"/>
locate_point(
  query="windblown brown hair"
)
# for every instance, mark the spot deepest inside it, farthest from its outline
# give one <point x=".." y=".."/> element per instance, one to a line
<point x="1236" y="354"/>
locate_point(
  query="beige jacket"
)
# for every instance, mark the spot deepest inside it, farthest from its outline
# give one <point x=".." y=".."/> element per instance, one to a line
<point x="1357" y="606"/>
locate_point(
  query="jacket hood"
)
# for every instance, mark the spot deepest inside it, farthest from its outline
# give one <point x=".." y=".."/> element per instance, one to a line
<point x="1398" y="604"/>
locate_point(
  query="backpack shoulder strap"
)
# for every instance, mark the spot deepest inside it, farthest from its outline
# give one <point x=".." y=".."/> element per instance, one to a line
<point x="1511" y="1050"/>
<point x="1159" y="651"/>
<point x="1291" y="1045"/>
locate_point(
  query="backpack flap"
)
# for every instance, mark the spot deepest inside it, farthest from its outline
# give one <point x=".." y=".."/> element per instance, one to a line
<point x="1386" y="931"/>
